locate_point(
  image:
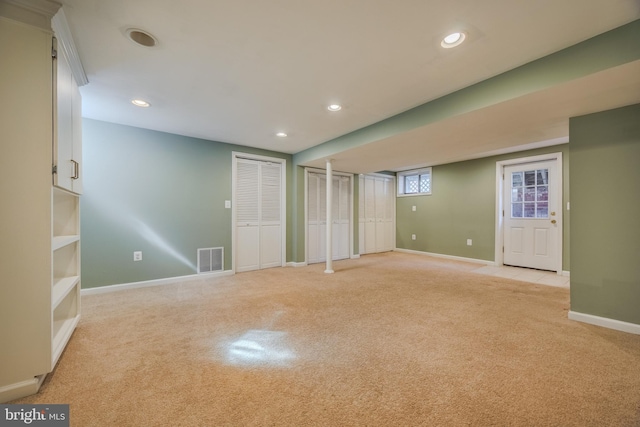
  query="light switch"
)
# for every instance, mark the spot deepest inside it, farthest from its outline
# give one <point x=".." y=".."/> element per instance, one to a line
<point x="413" y="208"/>
<point x="227" y="204"/>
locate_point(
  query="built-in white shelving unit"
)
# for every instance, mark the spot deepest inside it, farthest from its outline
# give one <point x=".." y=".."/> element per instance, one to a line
<point x="65" y="247"/>
<point x="41" y="182"/>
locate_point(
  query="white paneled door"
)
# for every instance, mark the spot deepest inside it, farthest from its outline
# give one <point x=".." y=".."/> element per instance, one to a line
<point x="377" y="213"/>
<point x="258" y="213"/>
<point x="531" y="215"/>
<point x="317" y="217"/>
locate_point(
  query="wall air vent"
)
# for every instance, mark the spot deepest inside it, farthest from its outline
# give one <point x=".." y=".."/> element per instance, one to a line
<point x="210" y="260"/>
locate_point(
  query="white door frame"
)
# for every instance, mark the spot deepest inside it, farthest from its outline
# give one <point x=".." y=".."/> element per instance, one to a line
<point x="283" y="202"/>
<point x="308" y="170"/>
<point x="500" y="203"/>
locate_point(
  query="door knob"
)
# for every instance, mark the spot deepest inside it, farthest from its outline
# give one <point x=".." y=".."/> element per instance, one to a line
<point x="553" y="214"/>
<point x="553" y="221"/>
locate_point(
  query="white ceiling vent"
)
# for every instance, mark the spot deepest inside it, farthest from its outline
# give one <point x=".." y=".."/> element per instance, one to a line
<point x="210" y="260"/>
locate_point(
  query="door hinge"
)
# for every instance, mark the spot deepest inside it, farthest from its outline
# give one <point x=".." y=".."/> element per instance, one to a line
<point x="54" y="53"/>
<point x="503" y="249"/>
<point x="54" y="169"/>
<point x="503" y="212"/>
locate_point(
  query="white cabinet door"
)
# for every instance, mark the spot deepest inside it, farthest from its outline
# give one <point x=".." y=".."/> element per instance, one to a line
<point x="68" y="128"/>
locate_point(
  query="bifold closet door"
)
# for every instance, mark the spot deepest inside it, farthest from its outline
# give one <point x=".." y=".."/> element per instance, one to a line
<point x="341" y="217"/>
<point x="258" y="215"/>
<point x="317" y="217"/>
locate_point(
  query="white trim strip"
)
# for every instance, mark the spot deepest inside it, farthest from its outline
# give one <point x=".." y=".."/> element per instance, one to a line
<point x="20" y="389"/>
<point x="452" y="257"/>
<point x="605" y="322"/>
<point x="296" y="264"/>
<point x="156" y="282"/>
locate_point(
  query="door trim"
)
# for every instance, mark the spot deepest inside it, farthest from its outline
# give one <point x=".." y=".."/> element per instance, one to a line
<point x="235" y="155"/>
<point x="499" y="238"/>
<point x="307" y="171"/>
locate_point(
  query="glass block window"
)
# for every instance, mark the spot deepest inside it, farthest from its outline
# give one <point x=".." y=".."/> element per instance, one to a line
<point x="530" y="194"/>
<point x="414" y="182"/>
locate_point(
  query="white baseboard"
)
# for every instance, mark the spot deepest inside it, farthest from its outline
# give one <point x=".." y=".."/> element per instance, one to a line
<point x="605" y="322"/>
<point x="297" y="264"/>
<point x="156" y="282"/>
<point x="566" y="273"/>
<point x="355" y="256"/>
<point x="20" y="389"/>
<point x="452" y="257"/>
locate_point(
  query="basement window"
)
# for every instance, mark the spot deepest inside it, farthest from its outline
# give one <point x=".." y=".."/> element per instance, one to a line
<point x="414" y="182"/>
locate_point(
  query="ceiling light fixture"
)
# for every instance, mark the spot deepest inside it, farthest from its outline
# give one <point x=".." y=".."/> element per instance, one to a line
<point x="334" y="107"/>
<point x="453" y="40"/>
<point x="140" y="103"/>
<point x="141" y="37"/>
<point x="281" y="134"/>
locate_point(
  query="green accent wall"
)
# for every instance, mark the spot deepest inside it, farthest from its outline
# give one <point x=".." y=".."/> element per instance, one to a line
<point x="605" y="205"/>
<point x="158" y="193"/>
<point x="463" y="206"/>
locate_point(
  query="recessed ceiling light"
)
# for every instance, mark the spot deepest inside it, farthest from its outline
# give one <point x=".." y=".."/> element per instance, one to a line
<point x="281" y="134"/>
<point x="140" y="103"/>
<point x="141" y="37"/>
<point x="453" y="40"/>
<point x="334" y="107"/>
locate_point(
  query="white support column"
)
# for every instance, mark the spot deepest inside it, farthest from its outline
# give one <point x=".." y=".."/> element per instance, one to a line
<point x="329" y="267"/>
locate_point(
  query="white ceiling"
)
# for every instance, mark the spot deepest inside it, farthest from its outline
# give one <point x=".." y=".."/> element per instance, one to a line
<point x="238" y="72"/>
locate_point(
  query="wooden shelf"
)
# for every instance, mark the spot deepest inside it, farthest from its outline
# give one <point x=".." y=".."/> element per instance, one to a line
<point x="63" y="329"/>
<point x="62" y="241"/>
<point x="62" y="288"/>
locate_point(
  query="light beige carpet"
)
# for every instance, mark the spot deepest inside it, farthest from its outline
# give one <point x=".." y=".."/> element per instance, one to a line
<point x="388" y="340"/>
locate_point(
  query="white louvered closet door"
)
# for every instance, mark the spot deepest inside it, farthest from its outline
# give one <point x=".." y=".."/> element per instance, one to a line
<point x="270" y="218"/>
<point x="258" y="215"/>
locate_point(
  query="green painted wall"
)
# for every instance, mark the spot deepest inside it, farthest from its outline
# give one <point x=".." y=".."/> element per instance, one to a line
<point x="158" y="193"/>
<point x="462" y="206"/>
<point x="605" y="205"/>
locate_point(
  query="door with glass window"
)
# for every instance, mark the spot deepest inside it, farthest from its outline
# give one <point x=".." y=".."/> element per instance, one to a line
<point x="531" y="220"/>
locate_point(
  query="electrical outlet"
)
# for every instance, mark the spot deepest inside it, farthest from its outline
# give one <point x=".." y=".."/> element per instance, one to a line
<point x="413" y="208"/>
<point x="413" y="237"/>
<point x="137" y="256"/>
<point x="227" y="204"/>
<point x="469" y="242"/>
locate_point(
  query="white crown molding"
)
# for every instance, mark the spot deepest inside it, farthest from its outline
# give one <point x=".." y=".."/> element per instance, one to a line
<point x="65" y="43"/>
<point x="47" y="8"/>
<point x="35" y="13"/>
